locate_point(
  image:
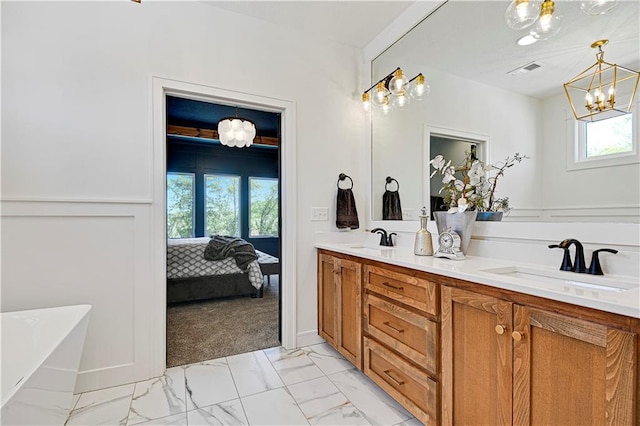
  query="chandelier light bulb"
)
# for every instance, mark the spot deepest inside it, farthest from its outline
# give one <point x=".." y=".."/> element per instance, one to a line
<point x="401" y="99"/>
<point x="366" y="101"/>
<point x="549" y="22"/>
<point x="588" y="101"/>
<point x="521" y="14"/>
<point x="398" y="82"/>
<point x="380" y="93"/>
<point x="612" y="95"/>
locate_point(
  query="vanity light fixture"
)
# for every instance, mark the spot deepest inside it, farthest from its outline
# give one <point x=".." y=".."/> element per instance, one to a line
<point x="238" y="132"/>
<point x="395" y="91"/>
<point x="603" y="90"/>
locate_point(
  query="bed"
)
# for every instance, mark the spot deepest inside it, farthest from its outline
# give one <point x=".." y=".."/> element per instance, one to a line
<point x="190" y="277"/>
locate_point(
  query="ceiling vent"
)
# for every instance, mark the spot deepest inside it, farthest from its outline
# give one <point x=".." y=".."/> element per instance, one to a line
<point x="531" y="66"/>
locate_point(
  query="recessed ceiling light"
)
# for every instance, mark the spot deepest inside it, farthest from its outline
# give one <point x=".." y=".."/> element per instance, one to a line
<point x="526" y="40"/>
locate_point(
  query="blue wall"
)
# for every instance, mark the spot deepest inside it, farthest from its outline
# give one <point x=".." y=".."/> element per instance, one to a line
<point x="203" y="158"/>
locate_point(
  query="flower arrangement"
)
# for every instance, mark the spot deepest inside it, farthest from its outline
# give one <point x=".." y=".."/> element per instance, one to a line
<point x="475" y="189"/>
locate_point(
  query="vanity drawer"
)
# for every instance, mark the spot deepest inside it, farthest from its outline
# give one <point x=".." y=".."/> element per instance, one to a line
<point x="408" y="333"/>
<point x="410" y="386"/>
<point x="413" y="291"/>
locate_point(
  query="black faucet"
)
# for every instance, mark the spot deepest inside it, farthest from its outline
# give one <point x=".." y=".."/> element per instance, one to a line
<point x="595" y="268"/>
<point x="566" y="259"/>
<point x="579" y="265"/>
<point x="385" y="240"/>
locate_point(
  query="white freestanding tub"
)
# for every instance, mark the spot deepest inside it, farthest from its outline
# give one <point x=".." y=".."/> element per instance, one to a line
<point x="41" y="351"/>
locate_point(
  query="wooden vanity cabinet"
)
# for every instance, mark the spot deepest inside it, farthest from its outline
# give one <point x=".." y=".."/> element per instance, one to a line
<point x="401" y="342"/>
<point x="340" y="305"/>
<point x="508" y="363"/>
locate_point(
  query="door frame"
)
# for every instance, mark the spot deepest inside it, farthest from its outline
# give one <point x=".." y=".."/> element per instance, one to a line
<point x="161" y="87"/>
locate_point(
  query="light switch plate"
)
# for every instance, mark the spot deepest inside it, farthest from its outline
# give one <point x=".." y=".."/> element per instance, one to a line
<point x="407" y="214"/>
<point x="319" y="214"/>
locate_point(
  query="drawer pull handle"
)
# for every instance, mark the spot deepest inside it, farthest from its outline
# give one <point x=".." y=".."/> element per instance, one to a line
<point x="517" y="336"/>
<point x="393" y="379"/>
<point x="500" y="329"/>
<point x="386" y="284"/>
<point x="397" y="330"/>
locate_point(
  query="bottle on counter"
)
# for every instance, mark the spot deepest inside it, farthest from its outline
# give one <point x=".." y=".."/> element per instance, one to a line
<point x="423" y="245"/>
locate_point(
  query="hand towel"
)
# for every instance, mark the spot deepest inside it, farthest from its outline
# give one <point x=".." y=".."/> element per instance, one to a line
<point x="347" y="215"/>
<point x="391" y="209"/>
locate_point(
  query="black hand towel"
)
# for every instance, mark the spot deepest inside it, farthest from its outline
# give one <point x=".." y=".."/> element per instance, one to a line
<point x="347" y="215"/>
<point x="391" y="209"/>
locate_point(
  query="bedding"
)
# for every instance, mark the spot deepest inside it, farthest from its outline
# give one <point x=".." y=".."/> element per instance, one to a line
<point x="185" y="259"/>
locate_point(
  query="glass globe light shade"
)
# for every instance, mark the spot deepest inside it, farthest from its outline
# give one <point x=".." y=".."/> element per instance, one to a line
<point x="401" y="100"/>
<point x="419" y="88"/>
<point x="224" y="126"/>
<point x="379" y="94"/>
<point x="597" y="7"/>
<point x="521" y="14"/>
<point x="236" y="124"/>
<point x="385" y="108"/>
<point x="547" y="26"/>
<point x="366" y="101"/>
<point x="397" y="82"/>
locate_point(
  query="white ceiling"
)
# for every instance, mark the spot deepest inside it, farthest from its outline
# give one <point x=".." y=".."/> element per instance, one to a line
<point x="354" y="23"/>
<point x="471" y="39"/>
<point x="466" y="38"/>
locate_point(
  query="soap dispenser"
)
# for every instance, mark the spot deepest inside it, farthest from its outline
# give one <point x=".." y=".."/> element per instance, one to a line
<point x="423" y="245"/>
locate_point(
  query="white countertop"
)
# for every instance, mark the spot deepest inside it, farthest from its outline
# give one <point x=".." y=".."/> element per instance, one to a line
<point x="609" y="293"/>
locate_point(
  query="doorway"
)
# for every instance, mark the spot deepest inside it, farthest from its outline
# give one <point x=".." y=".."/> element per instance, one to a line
<point x="222" y="201"/>
<point x="164" y="87"/>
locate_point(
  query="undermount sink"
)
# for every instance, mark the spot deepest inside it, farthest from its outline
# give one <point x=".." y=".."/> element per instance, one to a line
<point x="568" y="282"/>
<point x="370" y="247"/>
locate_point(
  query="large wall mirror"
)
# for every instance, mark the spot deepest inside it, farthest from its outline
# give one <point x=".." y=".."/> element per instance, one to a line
<point x="481" y="91"/>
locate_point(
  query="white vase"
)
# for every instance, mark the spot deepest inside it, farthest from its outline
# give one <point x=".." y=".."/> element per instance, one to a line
<point x="460" y="223"/>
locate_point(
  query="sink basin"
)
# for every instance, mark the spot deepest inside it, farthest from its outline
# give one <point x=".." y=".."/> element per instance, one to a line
<point x="568" y="282"/>
<point x="370" y="247"/>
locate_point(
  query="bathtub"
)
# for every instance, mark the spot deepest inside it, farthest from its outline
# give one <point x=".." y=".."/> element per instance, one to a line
<point x="41" y="351"/>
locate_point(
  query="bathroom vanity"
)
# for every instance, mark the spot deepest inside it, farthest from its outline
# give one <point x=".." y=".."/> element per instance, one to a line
<point x="483" y="340"/>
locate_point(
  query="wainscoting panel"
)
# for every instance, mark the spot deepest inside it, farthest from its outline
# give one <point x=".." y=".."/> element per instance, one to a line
<point x="56" y="254"/>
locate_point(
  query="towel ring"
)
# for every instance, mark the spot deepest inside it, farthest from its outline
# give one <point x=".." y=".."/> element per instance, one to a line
<point x="342" y="177"/>
<point x="389" y="180"/>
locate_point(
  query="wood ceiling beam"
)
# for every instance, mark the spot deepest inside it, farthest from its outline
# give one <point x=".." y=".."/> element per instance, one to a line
<point x="196" y="132"/>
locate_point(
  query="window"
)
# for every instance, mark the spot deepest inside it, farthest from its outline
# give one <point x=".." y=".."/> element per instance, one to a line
<point x="222" y="205"/>
<point x="609" y="142"/>
<point x="180" y="199"/>
<point x="608" y="137"/>
<point x="263" y="207"/>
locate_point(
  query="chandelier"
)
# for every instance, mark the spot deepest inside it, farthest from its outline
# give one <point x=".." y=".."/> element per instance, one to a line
<point x="395" y="91"/>
<point x="603" y="90"/>
<point x="542" y="18"/>
<point x="234" y="131"/>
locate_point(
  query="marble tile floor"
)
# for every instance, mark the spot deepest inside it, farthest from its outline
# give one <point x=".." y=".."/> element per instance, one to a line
<point x="312" y="385"/>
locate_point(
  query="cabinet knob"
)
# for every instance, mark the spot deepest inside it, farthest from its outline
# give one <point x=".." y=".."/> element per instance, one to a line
<point x="517" y="336"/>
<point x="500" y="329"/>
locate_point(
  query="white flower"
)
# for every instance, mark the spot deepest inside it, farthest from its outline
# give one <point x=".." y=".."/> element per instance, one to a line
<point x="437" y="162"/>
<point x="462" y="204"/>
<point x="459" y="185"/>
<point x="448" y="174"/>
<point x="476" y="173"/>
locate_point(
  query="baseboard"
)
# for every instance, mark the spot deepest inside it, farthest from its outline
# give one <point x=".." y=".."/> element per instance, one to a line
<point x="308" y="338"/>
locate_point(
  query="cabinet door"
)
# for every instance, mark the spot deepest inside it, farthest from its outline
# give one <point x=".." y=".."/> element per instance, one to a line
<point x="476" y="359"/>
<point x="327" y="326"/>
<point x="571" y="372"/>
<point x="349" y="310"/>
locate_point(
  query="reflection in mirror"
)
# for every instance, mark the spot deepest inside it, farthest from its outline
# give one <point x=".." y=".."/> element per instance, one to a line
<point x="468" y="66"/>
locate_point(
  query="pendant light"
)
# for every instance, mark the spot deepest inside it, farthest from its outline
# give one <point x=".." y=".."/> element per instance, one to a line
<point x="236" y="132"/>
<point x="522" y="13"/>
<point x="603" y="90"/>
<point x="548" y="23"/>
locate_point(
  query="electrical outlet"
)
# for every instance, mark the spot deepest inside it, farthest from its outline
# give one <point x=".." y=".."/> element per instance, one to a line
<point x="319" y="214"/>
<point x="407" y="214"/>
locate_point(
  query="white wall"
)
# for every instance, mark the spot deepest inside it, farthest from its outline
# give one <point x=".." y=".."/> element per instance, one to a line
<point x="77" y="152"/>
<point x="570" y="194"/>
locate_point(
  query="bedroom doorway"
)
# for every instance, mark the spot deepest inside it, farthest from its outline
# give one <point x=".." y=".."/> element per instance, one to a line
<point x="225" y="305"/>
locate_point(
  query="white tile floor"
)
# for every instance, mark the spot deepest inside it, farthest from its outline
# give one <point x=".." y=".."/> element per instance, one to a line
<point x="312" y="385"/>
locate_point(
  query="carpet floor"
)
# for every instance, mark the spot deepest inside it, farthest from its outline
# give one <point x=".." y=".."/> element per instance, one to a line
<point x="204" y="330"/>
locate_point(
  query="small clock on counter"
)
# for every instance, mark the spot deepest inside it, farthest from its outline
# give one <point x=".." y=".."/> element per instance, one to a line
<point x="449" y="245"/>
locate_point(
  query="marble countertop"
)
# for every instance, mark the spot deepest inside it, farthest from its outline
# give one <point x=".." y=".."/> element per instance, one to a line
<point x="610" y="293"/>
